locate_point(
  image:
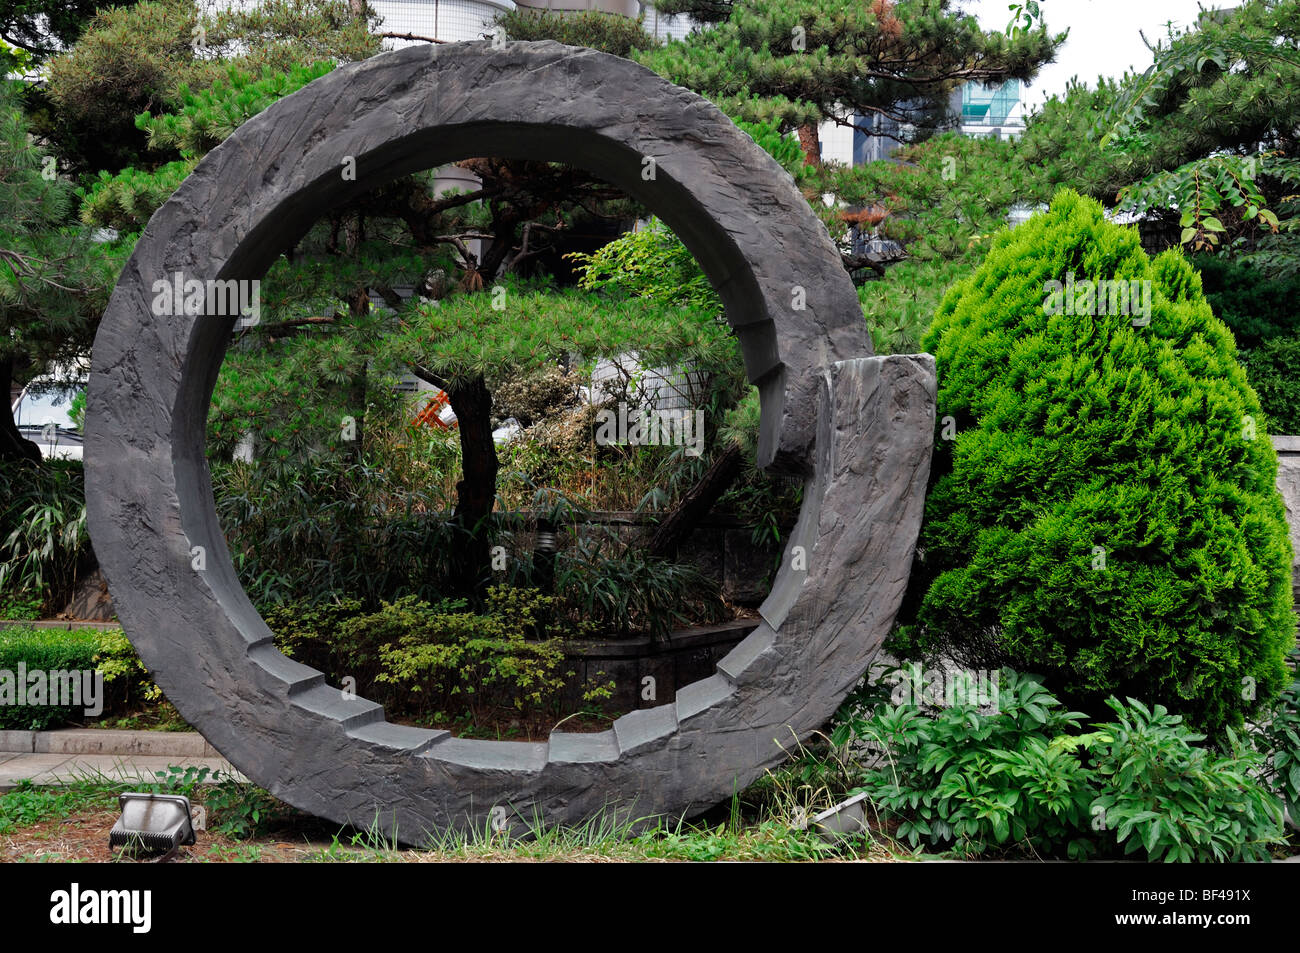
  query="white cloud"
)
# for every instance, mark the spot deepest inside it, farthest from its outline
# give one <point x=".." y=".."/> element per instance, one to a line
<point x="1105" y="35"/>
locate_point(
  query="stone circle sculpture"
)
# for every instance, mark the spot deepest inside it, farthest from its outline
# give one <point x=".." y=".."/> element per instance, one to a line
<point x="858" y="428"/>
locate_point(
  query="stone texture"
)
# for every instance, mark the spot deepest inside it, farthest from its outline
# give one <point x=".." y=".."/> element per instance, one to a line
<point x="70" y="741"/>
<point x="1288" y="484"/>
<point x="859" y="428"/>
<point x="12" y="740"/>
<point x="90" y="600"/>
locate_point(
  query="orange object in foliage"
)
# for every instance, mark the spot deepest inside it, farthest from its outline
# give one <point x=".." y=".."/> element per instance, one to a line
<point x="431" y="415"/>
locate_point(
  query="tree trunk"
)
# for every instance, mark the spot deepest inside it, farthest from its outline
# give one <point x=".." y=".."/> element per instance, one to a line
<point x="13" y="445"/>
<point x="503" y="236"/>
<point x="476" y="491"/>
<point x="696" y="504"/>
<point x="811" y="143"/>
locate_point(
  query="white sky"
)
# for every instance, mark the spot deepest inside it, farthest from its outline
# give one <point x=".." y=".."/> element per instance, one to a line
<point x="1103" y="40"/>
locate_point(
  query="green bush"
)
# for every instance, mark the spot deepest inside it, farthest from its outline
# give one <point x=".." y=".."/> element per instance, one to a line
<point x="610" y="592"/>
<point x="1105" y="512"/>
<point x="452" y="658"/>
<point x="330" y="527"/>
<point x="42" y="531"/>
<point x="313" y="634"/>
<point x="23" y="607"/>
<point x="1254" y="307"/>
<point x="126" y="682"/>
<point x="1024" y="777"/>
<point x="417" y="657"/>
<point x="1277" y="737"/>
<point x="1274" y="372"/>
<point x="47" y="650"/>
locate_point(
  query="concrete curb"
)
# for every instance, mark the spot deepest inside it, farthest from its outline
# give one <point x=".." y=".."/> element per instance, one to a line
<point x="64" y="625"/>
<point x="104" y="741"/>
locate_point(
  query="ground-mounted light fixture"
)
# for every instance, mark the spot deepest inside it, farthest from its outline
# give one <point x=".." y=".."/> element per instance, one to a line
<point x="152" y="822"/>
<point x="843" y="820"/>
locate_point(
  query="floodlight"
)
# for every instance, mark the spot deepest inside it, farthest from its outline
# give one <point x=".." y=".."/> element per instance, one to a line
<point x="156" y="822"/>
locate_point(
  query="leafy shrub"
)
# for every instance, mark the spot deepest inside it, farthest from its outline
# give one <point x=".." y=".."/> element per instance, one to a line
<point x="1277" y="737"/>
<point x="1274" y="372"/>
<point x="313" y="634"/>
<point x="242" y="810"/>
<point x="331" y="527"/>
<point x="416" y="657"/>
<point x="126" y="680"/>
<point x="42" y="530"/>
<point x="46" y="650"/>
<point x="25" y="608"/>
<point x="1181" y="802"/>
<point x="1255" y="308"/>
<point x="1106" y="514"/>
<point x="450" y="656"/>
<point x="1023" y="776"/>
<point x="651" y="262"/>
<point x="604" y="589"/>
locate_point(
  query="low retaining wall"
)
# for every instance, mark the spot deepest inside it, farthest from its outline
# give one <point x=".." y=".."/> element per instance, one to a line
<point x="647" y="672"/>
<point x="720" y="547"/>
<point x="1288" y="484"/>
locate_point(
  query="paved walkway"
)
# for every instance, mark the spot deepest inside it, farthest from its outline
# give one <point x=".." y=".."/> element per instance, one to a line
<point x="59" y="757"/>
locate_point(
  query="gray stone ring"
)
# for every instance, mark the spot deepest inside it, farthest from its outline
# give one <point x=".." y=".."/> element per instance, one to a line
<point x="859" y="429"/>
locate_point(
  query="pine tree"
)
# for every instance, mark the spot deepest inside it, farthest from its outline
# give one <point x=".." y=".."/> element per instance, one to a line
<point x="54" y="280"/>
<point x="1205" y="137"/>
<point x="514" y="331"/>
<point x="803" y="62"/>
<point x="44" y="28"/>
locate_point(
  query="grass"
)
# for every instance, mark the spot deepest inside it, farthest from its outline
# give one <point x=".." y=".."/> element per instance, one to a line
<point x="246" y="825"/>
<point x="766" y="822"/>
<point x="26" y="806"/>
<point x="603" y="838"/>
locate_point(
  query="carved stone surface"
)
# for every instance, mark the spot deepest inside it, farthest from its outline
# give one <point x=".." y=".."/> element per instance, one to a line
<point x="860" y="428"/>
<point x="1288" y="484"/>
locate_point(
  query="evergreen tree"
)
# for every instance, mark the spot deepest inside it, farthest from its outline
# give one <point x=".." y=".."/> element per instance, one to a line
<point x="54" y="280"/>
<point x="45" y="27"/>
<point x="1206" y="136"/>
<point x="1103" y="508"/>
<point x="803" y="62"/>
<point x="135" y="59"/>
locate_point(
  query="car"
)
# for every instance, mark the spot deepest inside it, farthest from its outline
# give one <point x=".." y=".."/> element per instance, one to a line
<point x="43" y="414"/>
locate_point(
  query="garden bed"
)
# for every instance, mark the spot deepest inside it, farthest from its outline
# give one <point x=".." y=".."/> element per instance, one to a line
<point x="642" y="673"/>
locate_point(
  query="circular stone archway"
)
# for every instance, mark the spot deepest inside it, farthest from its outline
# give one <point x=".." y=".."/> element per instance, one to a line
<point x="858" y="428"/>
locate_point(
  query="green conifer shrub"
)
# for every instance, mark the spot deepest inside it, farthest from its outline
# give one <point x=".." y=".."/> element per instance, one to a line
<point x="1102" y="508"/>
<point x="1274" y="369"/>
